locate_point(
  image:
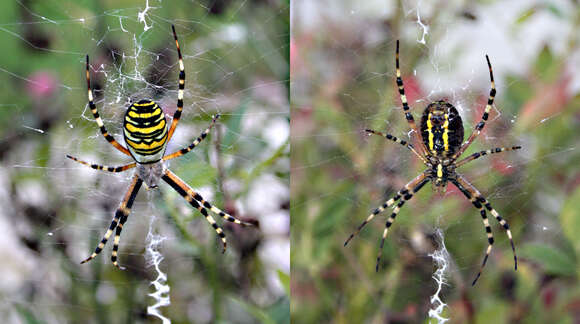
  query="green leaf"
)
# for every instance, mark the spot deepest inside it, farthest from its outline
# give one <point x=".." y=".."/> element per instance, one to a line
<point x="258" y="313"/>
<point x="234" y="125"/>
<point x="285" y="280"/>
<point x="570" y="219"/>
<point x="526" y="15"/>
<point x="552" y="260"/>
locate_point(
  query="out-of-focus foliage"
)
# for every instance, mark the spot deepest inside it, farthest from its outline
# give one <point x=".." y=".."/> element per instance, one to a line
<point x="343" y="82"/>
<point x="54" y="211"/>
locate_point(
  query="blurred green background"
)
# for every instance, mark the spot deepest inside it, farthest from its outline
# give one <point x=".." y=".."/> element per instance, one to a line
<point x="54" y="212"/>
<point x="343" y="81"/>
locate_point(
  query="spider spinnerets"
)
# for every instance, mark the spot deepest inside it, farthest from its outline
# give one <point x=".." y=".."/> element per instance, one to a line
<point x="440" y="145"/>
<point x="146" y="135"/>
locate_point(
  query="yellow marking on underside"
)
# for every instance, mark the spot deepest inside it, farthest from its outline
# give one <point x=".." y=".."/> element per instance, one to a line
<point x="145" y="130"/>
<point x="134" y="114"/>
<point x="429" y="127"/>
<point x="439" y="170"/>
<point x="445" y="133"/>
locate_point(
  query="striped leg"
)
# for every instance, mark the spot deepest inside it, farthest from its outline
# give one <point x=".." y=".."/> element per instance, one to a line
<point x="204" y="203"/>
<point x="171" y="178"/>
<point x="177" y="114"/>
<point x="400" y="141"/>
<point x="198" y="140"/>
<point x="495" y="214"/>
<point x="482" y="153"/>
<point x="407" y="194"/>
<point x="484" y="117"/>
<point x="98" y="119"/>
<point x="404" y="191"/>
<point x="408" y="114"/>
<point x="478" y="204"/>
<point x="114" y="169"/>
<point x="121" y="213"/>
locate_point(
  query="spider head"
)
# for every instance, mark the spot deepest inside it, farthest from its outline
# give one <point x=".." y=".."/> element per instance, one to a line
<point x="151" y="173"/>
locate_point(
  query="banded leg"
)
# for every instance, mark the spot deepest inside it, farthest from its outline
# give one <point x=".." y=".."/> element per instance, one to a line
<point x="484" y="117"/>
<point x="204" y="203"/>
<point x="116" y="241"/>
<point x="482" y="153"/>
<point x="404" y="191"/>
<point x="121" y="213"/>
<point x="182" y="190"/>
<point x="198" y="140"/>
<point x="398" y="140"/>
<point x="98" y="119"/>
<point x="114" y="169"/>
<point x="407" y="194"/>
<point x="408" y="114"/>
<point x="495" y="214"/>
<point x="177" y="114"/>
<point x="478" y="204"/>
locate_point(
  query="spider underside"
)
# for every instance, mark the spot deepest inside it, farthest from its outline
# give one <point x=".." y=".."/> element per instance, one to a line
<point x="440" y="145"/>
<point x="146" y="134"/>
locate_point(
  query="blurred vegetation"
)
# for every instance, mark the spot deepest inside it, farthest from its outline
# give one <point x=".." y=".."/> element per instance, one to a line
<point x="236" y="56"/>
<point x="343" y="82"/>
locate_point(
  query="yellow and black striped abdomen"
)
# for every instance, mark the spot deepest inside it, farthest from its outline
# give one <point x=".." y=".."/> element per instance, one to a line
<point x="145" y="131"/>
<point x="441" y="129"/>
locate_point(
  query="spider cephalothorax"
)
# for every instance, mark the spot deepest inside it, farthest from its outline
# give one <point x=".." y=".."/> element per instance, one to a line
<point x="146" y="134"/>
<point x="440" y="145"/>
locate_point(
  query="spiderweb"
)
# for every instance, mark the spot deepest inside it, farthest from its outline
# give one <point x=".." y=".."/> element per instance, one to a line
<point x="235" y="57"/>
<point x="344" y="76"/>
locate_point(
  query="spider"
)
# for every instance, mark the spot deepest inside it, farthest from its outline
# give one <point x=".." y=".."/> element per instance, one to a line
<point x="441" y="144"/>
<point x="146" y="135"/>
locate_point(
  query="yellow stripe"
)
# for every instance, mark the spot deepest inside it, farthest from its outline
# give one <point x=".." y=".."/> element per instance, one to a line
<point x="133" y="114"/>
<point x="145" y="146"/>
<point x="445" y="135"/>
<point x="150" y="103"/>
<point x="439" y="170"/>
<point x="429" y="126"/>
<point x="145" y="130"/>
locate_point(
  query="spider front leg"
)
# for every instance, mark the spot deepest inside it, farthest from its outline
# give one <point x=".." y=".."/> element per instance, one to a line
<point x="177" y="114"/>
<point x="484" y="117"/>
<point x="398" y="140"/>
<point x="122" y="213"/>
<point x="408" y="114"/>
<point x="98" y="119"/>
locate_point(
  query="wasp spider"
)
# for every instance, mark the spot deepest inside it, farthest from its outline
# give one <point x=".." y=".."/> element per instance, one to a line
<point x="146" y="135"/>
<point x="440" y="145"/>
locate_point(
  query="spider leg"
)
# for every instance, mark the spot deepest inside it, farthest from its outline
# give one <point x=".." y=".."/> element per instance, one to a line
<point x="198" y="140"/>
<point x="473" y="191"/>
<point x="113" y="169"/>
<point x="408" y="115"/>
<point x="482" y="153"/>
<point x="400" y="141"/>
<point x="204" y="203"/>
<point x="182" y="188"/>
<point x="407" y="194"/>
<point x="177" y="114"/>
<point x="484" y="117"/>
<point x="404" y="191"/>
<point x="98" y="119"/>
<point x="477" y="203"/>
<point x="121" y="213"/>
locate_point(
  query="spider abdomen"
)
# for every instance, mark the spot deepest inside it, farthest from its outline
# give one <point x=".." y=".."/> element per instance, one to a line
<point x="145" y="131"/>
<point x="441" y="129"/>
